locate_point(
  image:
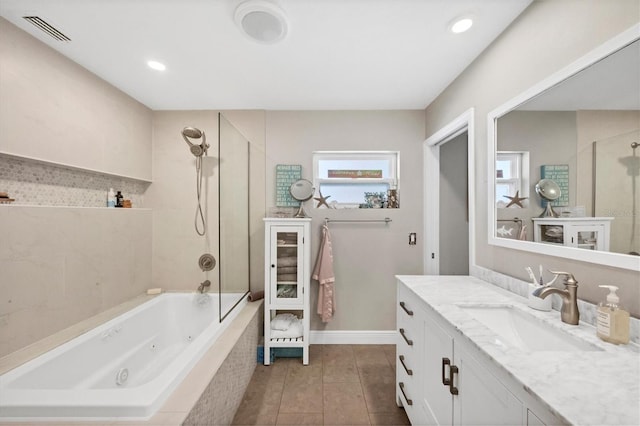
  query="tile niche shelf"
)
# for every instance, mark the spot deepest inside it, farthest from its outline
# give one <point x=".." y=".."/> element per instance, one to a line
<point x="35" y="182"/>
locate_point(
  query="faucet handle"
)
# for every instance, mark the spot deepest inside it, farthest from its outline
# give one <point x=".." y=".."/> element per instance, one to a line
<point x="569" y="278"/>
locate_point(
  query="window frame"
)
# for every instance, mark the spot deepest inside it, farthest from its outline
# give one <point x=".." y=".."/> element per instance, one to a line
<point x="394" y="168"/>
<point x="520" y="176"/>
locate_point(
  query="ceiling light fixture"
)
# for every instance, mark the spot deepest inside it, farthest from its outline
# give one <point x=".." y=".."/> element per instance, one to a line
<point x="262" y="21"/>
<point x="461" y="25"/>
<point x="155" y="65"/>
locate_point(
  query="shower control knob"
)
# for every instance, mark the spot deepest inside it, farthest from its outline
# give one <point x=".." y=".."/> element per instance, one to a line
<point x="207" y="262"/>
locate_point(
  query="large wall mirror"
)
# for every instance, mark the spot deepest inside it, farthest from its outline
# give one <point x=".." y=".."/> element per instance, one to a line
<point x="565" y="157"/>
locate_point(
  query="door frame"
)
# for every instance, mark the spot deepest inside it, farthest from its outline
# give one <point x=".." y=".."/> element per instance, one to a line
<point x="431" y="188"/>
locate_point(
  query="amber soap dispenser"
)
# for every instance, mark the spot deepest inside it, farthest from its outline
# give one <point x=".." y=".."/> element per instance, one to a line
<point x="612" y="320"/>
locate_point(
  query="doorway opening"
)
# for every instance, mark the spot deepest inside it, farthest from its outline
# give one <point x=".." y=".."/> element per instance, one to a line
<point x="449" y="202"/>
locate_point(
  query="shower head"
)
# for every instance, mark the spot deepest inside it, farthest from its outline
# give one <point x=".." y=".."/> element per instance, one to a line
<point x="193" y="133"/>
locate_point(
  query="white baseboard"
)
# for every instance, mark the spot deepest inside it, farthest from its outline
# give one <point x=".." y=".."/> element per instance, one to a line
<point x="352" y="337"/>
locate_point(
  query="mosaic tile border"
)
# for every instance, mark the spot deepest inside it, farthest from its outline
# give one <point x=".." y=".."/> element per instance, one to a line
<point x="35" y="183"/>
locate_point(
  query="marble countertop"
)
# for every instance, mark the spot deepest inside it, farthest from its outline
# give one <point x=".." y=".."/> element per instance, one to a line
<point x="582" y="387"/>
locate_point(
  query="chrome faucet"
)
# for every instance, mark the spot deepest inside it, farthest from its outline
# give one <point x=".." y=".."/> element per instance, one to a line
<point x="204" y="286"/>
<point x="569" y="312"/>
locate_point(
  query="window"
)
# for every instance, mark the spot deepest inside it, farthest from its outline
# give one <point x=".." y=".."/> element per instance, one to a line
<point x="512" y="175"/>
<point x="357" y="179"/>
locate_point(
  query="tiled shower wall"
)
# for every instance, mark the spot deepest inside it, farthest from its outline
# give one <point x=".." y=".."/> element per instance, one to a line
<point x="62" y="265"/>
<point x="36" y="183"/>
<point x="62" y="260"/>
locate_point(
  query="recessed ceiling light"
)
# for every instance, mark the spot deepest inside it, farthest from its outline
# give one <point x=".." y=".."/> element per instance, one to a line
<point x="155" y="65"/>
<point x="461" y="25"/>
<point x="261" y="20"/>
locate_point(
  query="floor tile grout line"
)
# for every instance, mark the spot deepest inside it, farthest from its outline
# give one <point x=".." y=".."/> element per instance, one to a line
<point x="371" y="418"/>
<point x="284" y="383"/>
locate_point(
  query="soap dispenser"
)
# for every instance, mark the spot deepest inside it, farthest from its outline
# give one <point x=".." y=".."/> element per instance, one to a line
<point x="612" y="320"/>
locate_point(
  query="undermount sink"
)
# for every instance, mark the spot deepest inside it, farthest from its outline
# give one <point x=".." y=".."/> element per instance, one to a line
<point x="523" y="331"/>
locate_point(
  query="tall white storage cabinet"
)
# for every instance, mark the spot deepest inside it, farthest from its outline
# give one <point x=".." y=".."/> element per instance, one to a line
<point x="287" y="280"/>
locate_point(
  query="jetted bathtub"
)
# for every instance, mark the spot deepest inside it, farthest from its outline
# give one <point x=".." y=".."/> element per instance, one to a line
<point x="123" y="369"/>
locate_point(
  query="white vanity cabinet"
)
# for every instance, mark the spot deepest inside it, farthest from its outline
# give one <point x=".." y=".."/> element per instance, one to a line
<point x="452" y="382"/>
<point x="409" y="354"/>
<point x="592" y="233"/>
<point x="287" y="280"/>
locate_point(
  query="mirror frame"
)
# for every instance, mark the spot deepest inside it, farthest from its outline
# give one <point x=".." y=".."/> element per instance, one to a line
<point x="617" y="260"/>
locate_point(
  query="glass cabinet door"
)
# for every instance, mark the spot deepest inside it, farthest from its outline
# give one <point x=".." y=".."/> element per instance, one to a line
<point x="587" y="237"/>
<point x="286" y="265"/>
<point x="552" y="234"/>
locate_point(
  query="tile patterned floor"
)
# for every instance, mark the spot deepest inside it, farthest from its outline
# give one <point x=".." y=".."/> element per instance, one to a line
<point x="342" y="385"/>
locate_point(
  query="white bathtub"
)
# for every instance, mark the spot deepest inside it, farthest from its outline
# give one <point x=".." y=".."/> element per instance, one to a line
<point x="123" y="369"/>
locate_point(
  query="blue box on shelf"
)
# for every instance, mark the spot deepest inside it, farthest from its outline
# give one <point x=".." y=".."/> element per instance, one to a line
<point x="261" y="355"/>
<point x="287" y="352"/>
<point x="279" y="353"/>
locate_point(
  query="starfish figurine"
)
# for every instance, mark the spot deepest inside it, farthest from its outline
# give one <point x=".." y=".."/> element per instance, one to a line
<point x="516" y="199"/>
<point x="322" y="200"/>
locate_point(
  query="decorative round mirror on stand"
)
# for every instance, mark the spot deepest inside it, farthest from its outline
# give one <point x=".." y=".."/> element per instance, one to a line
<point x="301" y="190"/>
<point x="549" y="191"/>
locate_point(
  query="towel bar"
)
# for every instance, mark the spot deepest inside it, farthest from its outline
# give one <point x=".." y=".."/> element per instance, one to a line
<point x="385" y="220"/>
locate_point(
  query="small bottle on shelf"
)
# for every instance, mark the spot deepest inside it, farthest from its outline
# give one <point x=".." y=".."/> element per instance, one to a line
<point x="111" y="198"/>
<point x="119" y="199"/>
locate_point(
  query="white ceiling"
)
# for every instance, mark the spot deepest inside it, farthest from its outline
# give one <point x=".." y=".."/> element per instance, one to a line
<point x="338" y="54"/>
<point x="612" y="83"/>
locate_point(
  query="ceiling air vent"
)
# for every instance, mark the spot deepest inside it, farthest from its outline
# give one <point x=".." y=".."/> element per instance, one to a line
<point x="47" y="28"/>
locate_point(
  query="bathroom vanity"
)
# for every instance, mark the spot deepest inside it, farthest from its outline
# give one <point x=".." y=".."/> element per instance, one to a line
<point x="469" y="352"/>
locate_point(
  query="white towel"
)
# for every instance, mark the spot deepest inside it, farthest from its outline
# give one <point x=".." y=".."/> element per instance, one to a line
<point x="323" y="273"/>
<point x="295" y="330"/>
<point x="287" y="261"/>
<point x="283" y="321"/>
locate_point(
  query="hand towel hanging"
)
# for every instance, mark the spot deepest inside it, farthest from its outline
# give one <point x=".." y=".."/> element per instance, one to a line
<point x="323" y="273"/>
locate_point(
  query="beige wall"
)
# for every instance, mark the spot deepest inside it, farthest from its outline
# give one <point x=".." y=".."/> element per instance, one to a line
<point x="613" y="132"/>
<point x="54" y="110"/>
<point x="454" y="216"/>
<point x="550" y="138"/>
<point x="546" y="37"/>
<point x="598" y="126"/>
<point x="366" y="256"/>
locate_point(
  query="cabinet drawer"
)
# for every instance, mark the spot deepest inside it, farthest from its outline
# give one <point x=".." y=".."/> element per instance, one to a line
<point x="409" y="323"/>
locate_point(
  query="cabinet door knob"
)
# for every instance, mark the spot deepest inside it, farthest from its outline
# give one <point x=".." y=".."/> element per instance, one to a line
<point x="273" y="265"/>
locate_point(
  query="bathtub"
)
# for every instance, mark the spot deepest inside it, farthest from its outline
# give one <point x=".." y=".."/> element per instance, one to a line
<point x="122" y="370"/>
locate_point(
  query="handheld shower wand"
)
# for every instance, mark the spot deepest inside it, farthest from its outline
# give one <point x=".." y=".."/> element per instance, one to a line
<point x="198" y="151"/>
<point x="193" y="133"/>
